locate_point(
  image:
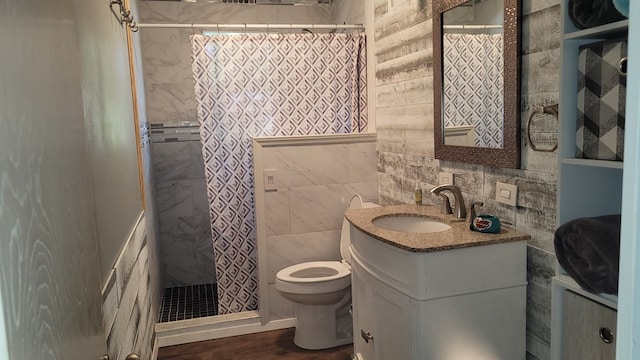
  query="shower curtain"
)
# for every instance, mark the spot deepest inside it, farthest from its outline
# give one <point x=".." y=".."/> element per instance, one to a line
<point x="265" y="85"/>
<point x="474" y="86"/>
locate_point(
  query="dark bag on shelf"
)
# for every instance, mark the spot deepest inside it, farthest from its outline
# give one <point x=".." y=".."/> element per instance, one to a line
<point x="588" y="249"/>
<point x="601" y="100"/>
<point x="591" y="13"/>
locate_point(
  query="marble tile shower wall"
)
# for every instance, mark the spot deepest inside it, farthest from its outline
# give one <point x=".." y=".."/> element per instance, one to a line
<point x="186" y="248"/>
<point x="304" y="216"/>
<point x="166" y="53"/>
<point x="348" y="11"/>
<point x="404" y="97"/>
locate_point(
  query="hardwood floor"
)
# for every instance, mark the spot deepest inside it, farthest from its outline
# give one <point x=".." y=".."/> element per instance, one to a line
<point x="264" y="346"/>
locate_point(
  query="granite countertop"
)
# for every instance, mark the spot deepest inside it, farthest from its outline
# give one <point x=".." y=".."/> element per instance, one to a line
<point x="459" y="236"/>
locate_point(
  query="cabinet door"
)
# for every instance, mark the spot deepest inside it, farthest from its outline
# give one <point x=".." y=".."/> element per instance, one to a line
<point x="587" y="329"/>
<point x="394" y="328"/>
<point x="382" y="315"/>
<point x="362" y="314"/>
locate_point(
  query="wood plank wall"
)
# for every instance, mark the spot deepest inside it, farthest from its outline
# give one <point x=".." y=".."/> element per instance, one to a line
<point x="129" y="311"/>
<point x="404" y="99"/>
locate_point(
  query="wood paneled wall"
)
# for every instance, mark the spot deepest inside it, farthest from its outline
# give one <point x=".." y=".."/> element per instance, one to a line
<point x="129" y="311"/>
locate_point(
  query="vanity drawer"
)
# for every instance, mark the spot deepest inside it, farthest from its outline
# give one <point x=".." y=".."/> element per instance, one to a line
<point x="588" y="329"/>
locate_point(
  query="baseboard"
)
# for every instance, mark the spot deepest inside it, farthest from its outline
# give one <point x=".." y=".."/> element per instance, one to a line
<point x="215" y="327"/>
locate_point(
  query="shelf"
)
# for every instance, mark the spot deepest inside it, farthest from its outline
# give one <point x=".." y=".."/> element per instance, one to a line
<point x="585" y="187"/>
<point x="593" y="163"/>
<point x="599" y="31"/>
<point x="565" y="281"/>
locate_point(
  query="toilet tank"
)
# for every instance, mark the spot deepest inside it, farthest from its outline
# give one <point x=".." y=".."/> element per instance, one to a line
<point x="345" y="235"/>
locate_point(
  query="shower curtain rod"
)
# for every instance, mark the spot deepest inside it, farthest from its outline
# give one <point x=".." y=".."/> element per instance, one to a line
<point x="463" y="27"/>
<point x="256" y="26"/>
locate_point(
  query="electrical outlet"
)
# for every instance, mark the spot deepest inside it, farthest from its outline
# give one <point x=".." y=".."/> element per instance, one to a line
<point x="506" y="193"/>
<point x="445" y="178"/>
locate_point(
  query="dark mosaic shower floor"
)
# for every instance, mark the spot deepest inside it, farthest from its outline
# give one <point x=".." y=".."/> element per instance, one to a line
<point x="189" y="302"/>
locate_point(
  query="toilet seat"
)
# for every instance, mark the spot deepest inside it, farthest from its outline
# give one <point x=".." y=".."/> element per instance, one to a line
<point x="314" y="271"/>
<point x="315" y="277"/>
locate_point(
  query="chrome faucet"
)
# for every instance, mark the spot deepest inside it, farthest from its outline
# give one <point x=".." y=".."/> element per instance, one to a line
<point x="460" y="210"/>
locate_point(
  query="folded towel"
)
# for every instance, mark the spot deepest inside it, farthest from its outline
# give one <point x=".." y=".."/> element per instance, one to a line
<point x="590" y="13"/>
<point x="589" y="251"/>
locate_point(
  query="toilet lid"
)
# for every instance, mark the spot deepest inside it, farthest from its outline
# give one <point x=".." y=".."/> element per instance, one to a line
<point x="345" y="235"/>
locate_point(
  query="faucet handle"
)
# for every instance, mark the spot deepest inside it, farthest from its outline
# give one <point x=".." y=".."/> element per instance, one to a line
<point x="446" y="204"/>
<point x="472" y="210"/>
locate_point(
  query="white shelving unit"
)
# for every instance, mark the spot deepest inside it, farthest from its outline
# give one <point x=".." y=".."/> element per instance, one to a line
<point x="586" y="187"/>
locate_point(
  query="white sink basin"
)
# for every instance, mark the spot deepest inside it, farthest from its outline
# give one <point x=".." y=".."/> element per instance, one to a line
<point x="410" y="224"/>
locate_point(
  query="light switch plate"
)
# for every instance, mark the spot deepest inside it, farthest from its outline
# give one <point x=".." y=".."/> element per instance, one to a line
<point x="506" y="193"/>
<point x="445" y="178"/>
<point x="270" y="179"/>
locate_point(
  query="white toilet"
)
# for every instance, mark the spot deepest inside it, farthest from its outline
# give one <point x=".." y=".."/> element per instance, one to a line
<point x="321" y="293"/>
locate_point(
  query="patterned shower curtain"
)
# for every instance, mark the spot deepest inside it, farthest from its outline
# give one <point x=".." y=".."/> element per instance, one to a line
<point x="474" y="86"/>
<point x="265" y="85"/>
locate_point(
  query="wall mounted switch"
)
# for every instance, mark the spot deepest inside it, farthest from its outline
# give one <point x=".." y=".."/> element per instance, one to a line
<point x="506" y="193"/>
<point x="445" y="178"/>
<point x="270" y="179"/>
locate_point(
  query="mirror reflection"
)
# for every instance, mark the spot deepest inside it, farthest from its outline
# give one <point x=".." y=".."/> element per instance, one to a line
<point x="473" y="74"/>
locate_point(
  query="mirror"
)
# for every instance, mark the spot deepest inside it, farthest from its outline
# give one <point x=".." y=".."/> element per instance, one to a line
<point x="477" y="81"/>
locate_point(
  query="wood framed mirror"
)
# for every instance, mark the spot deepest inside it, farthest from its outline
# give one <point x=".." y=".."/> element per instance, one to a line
<point x="476" y="56"/>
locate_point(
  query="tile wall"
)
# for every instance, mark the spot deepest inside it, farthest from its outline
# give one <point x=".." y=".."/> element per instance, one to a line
<point x="348" y="11"/>
<point x="304" y="215"/>
<point x="167" y="52"/>
<point x="404" y="99"/>
<point x="186" y="247"/>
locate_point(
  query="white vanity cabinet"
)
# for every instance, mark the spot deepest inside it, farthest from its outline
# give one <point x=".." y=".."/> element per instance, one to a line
<point x="464" y="303"/>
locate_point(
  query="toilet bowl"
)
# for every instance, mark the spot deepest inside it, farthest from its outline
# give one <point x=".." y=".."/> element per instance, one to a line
<point x="321" y="294"/>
